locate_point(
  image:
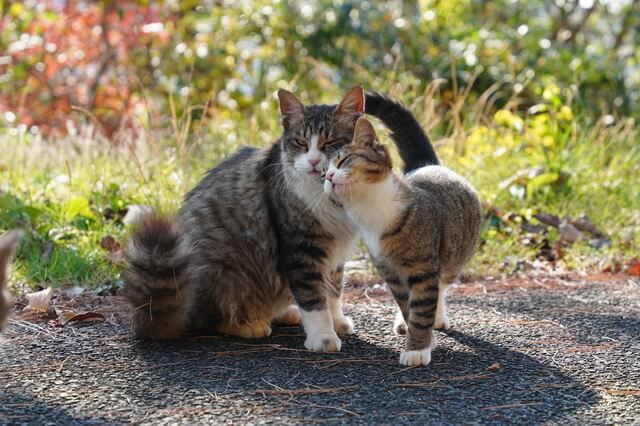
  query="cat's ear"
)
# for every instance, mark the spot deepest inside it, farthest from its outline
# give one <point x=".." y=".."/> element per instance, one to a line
<point x="8" y="244"/>
<point x="353" y="102"/>
<point x="364" y="133"/>
<point x="289" y="104"/>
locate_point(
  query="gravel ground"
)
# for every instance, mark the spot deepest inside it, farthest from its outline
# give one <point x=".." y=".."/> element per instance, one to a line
<point x="559" y="354"/>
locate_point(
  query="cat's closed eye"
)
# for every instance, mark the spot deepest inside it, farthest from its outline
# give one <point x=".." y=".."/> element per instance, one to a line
<point x="343" y="161"/>
<point x="302" y="143"/>
<point x="336" y="141"/>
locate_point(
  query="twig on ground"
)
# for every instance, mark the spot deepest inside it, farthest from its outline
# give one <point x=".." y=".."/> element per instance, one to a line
<point x="522" y="404"/>
<point x="290" y="392"/>
<point x="445" y="379"/>
<point x="331" y="407"/>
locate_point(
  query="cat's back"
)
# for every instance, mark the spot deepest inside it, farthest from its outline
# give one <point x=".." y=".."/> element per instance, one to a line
<point x="445" y="197"/>
<point x="233" y="172"/>
<point x="229" y="202"/>
<point x="440" y="183"/>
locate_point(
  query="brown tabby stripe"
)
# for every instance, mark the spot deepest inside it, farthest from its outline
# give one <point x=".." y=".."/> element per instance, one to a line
<point x="428" y="325"/>
<point x="416" y="279"/>
<point x="427" y="302"/>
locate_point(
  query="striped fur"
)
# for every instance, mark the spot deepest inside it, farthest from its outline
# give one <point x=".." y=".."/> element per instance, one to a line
<point x="421" y="229"/>
<point x="8" y="244"/>
<point x="254" y="236"/>
<point x="412" y="142"/>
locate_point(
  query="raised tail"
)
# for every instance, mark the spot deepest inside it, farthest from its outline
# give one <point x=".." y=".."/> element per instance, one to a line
<point x="155" y="286"/>
<point x="413" y="144"/>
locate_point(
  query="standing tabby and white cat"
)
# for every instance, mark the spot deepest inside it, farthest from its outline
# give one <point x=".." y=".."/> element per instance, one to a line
<point x="420" y="229"/>
<point x="8" y="244"/>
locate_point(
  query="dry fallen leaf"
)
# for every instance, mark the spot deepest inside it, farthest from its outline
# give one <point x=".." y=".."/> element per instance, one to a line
<point x="39" y="301"/>
<point x="67" y="316"/>
<point x="494" y="367"/>
<point x="109" y="244"/>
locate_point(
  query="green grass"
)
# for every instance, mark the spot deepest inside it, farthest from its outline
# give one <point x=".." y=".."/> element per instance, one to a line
<point x="70" y="193"/>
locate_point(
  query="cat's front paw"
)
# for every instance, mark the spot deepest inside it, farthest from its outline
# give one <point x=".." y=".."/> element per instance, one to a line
<point x="323" y="342"/>
<point x="343" y="325"/>
<point x="412" y="358"/>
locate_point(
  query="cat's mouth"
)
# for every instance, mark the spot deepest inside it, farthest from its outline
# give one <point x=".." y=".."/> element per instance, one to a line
<point x="332" y="188"/>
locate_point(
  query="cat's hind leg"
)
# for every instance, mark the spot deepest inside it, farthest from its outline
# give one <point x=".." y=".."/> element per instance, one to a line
<point x="288" y="316"/>
<point x="399" y="324"/>
<point x="400" y="293"/>
<point x="342" y="324"/>
<point x="423" y="300"/>
<point x="442" y="321"/>
<point x="252" y="330"/>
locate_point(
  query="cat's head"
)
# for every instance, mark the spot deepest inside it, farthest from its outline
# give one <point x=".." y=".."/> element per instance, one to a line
<point x="358" y="165"/>
<point x="312" y="134"/>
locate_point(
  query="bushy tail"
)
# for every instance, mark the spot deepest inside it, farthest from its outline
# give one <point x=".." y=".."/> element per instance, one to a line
<point x="413" y="144"/>
<point x="155" y="286"/>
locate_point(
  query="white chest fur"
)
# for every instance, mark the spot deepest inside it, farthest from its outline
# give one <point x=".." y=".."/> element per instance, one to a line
<point x="333" y="217"/>
<point x="372" y="240"/>
<point x="375" y="210"/>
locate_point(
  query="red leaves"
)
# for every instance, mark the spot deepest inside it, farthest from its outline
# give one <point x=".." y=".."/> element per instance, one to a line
<point x="633" y="268"/>
<point x="81" y="56"/>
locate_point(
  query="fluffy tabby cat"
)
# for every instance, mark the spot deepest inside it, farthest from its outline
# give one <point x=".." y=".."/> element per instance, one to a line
<point x="254" y="236"/>
<point x="7" y="245"/>
<point x="420" y="229"/>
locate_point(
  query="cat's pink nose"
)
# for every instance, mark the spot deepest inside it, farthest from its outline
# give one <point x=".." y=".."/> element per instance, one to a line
<point x="314" y="163"/>
<point x="329" y="175"/>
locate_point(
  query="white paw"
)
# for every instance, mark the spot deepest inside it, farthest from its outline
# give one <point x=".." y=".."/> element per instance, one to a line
<point x="412" y="358"/>
<point x="442" y="321"/>
<point x="323" y="342"/>
<point x="343" y="325"/>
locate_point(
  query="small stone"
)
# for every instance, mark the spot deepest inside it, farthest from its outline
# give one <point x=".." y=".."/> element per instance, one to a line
<point x="569" y="233"/>
<point x="598" y="243"/>
<point x="532" y="229"/>
<point x="584" y="224"/>
<point x="548" y="219"/>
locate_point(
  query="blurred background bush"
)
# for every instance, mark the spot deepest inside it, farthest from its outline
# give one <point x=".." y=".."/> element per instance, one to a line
<point x="111" y="58"/>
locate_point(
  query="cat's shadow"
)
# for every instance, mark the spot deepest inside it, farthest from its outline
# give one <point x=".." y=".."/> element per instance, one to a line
<point x="365" y="381"/>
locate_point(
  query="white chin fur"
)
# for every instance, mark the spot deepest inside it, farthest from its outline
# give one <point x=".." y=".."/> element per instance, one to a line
<point x="328" y="187"/>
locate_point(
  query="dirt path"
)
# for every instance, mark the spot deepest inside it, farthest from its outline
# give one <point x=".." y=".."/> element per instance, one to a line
<point x="566" y="352"/>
